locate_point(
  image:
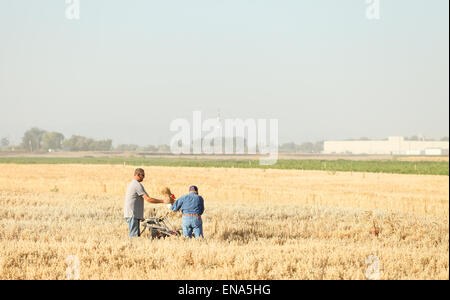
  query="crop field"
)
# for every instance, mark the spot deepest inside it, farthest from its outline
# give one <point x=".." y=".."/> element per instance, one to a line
<point x="392" y="166"/>
<point x="65" y="221"/>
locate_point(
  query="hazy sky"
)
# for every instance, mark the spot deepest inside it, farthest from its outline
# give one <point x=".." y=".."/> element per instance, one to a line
<point x="126" y="69"/>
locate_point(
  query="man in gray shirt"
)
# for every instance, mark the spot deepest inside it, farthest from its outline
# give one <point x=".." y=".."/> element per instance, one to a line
<point x="134" y="203"/>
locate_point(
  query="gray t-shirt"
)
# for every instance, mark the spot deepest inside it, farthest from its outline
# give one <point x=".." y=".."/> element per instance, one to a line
<point x="134" y="202"/>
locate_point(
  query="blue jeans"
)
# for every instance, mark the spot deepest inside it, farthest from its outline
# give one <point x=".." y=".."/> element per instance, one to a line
<point x="192" y="225"/>
<point x="133" y="227"/>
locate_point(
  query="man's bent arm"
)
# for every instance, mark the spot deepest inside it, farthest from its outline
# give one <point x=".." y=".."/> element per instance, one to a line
<point x="202" y="205"/>
<point x="177" y="205"/>
<point x="153" y="200"/>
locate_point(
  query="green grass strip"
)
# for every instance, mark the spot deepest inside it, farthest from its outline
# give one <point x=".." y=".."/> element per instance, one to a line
<point x="341" y="165"/>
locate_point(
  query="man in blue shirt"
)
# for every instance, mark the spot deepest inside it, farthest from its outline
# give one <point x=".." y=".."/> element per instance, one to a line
<point x="192" y="207"/>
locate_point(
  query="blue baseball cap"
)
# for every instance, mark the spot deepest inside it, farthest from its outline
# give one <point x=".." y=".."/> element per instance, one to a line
<point x="193" y="188"/>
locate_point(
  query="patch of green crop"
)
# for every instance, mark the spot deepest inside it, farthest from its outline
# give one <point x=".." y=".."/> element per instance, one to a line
<point x="332" y="166"/>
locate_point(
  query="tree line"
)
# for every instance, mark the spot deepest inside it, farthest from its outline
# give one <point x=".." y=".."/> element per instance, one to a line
<point x="302" y="148"/>
<point x="39" y="140"/>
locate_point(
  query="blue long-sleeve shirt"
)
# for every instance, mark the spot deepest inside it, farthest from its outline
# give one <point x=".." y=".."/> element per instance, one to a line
<point x="190" y="204"/>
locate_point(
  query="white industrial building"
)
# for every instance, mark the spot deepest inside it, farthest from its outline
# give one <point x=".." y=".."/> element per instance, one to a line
<point x="393" y="145"/>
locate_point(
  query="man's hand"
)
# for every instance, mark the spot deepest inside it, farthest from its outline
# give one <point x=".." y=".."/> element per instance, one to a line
<point x="168" y="200"/>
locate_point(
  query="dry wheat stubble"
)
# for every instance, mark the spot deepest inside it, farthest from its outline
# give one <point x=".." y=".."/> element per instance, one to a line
<point x="272" y="224"/>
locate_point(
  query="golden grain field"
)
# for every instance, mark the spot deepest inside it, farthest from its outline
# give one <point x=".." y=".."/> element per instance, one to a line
<point x="65" y="222"/>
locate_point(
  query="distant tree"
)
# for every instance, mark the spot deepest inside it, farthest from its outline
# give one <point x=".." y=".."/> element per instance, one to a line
<point x="164" y="148"/>
<point x="444" y="139"/>
<point x="151" y="148"/>
<point x="52" y="140"/>
<point x="4" y="142"/>
<point x="81" y="143"/>
<point x="32" y="139"/>
<point x="76" y="143"/>
<point x="412" y="138"/>
<point x="288" y="147"/>
<point x="318" y="147"/>
<point x="127" y="147"/>
<point x="364" y="138"/>
<point x="103" y="145"/>
<point x="306" y="148"/>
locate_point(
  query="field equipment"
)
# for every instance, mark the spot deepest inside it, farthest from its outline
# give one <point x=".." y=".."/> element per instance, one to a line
<point x="159" y="227"/>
